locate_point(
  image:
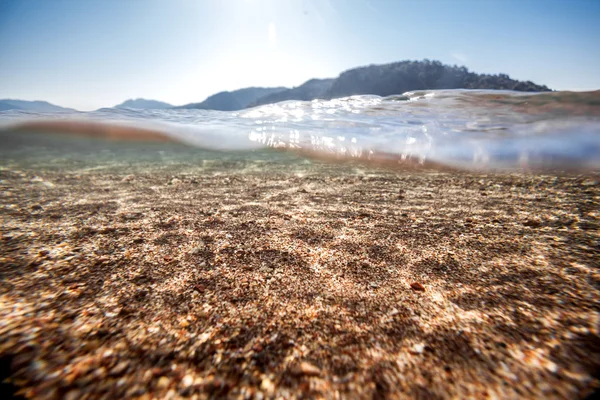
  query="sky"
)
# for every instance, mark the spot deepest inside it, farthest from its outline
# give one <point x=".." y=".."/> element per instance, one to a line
<point x="88" y="54"/>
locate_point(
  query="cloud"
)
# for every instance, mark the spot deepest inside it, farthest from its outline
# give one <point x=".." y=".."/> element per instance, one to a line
<point x="272" y="35"/>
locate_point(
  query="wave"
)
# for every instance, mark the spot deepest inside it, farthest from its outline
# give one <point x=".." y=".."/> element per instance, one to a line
<point x="449" y="128"/>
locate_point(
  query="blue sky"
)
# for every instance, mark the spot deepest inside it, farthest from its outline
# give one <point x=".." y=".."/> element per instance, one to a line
<point x="88" y="54"/>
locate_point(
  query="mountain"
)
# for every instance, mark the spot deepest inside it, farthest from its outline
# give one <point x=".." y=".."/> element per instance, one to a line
<point x="144" y="104"/>
<point x="38" y="106"/>
<point x="312" y="89"/>
<point x="383" y="80"/>
<point x="398" y="78"/>
<point x="232" y="101"/>
<point x="5" y="107"/>
<point x="405" y="76"/>
<point x="222" y="101"/>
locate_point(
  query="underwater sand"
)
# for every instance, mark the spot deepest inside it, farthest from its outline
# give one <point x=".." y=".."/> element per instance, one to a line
<point x="163" y="283"/>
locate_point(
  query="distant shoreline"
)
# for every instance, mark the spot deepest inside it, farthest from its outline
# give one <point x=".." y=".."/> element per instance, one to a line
<point x="381" y="80"/>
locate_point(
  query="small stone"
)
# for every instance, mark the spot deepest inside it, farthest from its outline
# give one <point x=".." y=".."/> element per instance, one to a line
<point x="163" y="382"/>
<point x="100" y="373"/>
<point x="268" y="386"/>
<point x="199" y="248"/>
<point x="128" y="178"/>
<point x="184" y="324"/>
<point x="130" y="216"/>
<point x="215" y="385"/>
<point x="175" y="181"/>
<point x="135" y="391"/>
<point x="205" y="265"/>
<point x="257" y="348"/>
<point x="119" y="368"/>
<point x="374" y="285"/>
<point x="418" y="348"/>
<point x="532" y="223"/>
<point x="550" y="366"/>
<point x="306" y="368"/>
<point x="187" y="381"/>
<point x="417" y="286"/>
<point x="72" y="395"/>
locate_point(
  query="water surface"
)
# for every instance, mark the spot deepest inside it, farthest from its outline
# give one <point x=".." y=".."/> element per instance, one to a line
<point x="473" y="129"/>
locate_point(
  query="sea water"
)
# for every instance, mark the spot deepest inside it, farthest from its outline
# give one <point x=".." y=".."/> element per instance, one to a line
<point x="470" y="129"/>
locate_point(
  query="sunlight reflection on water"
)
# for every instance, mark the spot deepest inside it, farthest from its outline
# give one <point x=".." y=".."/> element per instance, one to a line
<point x="474" y="128"/>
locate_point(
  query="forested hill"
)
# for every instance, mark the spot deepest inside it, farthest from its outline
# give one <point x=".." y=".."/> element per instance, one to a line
<point x="397" y="78"/>
<point x="405" y="76"/>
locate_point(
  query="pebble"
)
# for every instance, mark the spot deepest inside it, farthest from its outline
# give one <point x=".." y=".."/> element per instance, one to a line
<point x="187" y="381"/>
<point x="199" y="288"/>
<point x="532" y="223"/>
<point x="417" y="286"/>
<point x="72" y="395"/>
<point x="163" y="382"/>
<point x="418" y="348"/>
<point x="100" y="373"/>
<point x="197" y="250"/>
<point x="306" y="368"/>
<point x="268" y="386"/>
<point x="589" y="182"/>
<point x="119" y="368"/>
